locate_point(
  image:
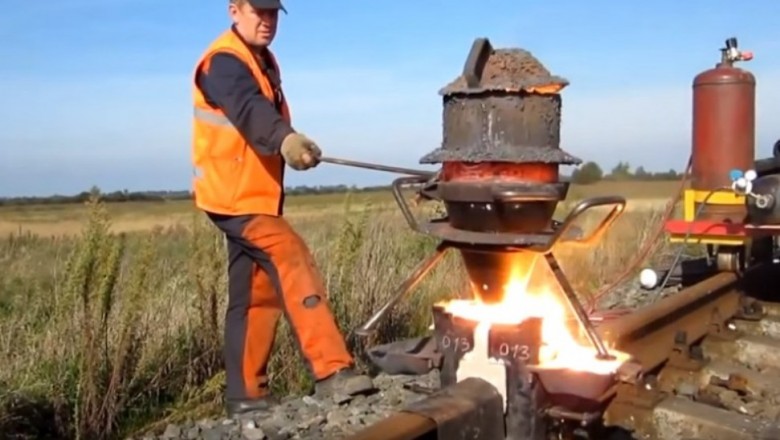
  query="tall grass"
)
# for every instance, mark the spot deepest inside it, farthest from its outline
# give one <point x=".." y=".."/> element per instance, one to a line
<point x="103" y="333"/>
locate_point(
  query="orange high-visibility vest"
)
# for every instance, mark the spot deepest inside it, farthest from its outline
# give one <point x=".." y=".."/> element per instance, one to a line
<point x="230" y="178"/>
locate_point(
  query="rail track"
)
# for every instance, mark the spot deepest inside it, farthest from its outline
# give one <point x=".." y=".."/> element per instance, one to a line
<point x="706" y="366"/>
<point x="704" y="362"/>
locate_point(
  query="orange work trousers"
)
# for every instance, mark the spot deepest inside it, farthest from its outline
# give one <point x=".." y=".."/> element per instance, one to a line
<point x="272" y="272"/>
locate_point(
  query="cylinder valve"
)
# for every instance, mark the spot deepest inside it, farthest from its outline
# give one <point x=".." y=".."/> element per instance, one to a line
<point x="723" y="130"/>
<point x="731" y="54"/>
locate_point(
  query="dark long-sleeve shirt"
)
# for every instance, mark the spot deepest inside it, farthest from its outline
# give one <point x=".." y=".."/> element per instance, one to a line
<point x="230" y="85"/>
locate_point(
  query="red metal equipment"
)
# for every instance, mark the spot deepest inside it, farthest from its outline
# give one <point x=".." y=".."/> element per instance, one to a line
<point x="723" y="139"/>
<point x="723" y="126"/>
<point x="730" y="203"/>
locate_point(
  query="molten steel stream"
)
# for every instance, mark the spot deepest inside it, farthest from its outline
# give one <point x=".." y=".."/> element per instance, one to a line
<point x="533" y="292"/>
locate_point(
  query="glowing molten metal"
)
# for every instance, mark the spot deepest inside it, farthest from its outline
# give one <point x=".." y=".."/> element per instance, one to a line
<point x="532" y="292"/>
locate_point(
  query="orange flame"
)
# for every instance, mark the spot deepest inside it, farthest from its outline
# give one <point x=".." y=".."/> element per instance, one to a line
<point x="533" y="291"/>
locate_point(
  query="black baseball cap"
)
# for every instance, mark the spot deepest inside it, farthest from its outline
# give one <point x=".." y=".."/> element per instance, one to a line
<point x="267" y="4"/>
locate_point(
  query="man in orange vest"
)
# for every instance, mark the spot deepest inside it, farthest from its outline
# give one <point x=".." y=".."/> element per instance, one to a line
<point x="242" y="141"/>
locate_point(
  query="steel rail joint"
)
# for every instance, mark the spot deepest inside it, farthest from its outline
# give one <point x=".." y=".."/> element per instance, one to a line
<point x="650" y="335"/>
<point x="470" y="409"/>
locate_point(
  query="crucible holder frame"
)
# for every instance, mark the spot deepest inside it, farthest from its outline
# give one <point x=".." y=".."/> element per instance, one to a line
<point x="542" y="243"/>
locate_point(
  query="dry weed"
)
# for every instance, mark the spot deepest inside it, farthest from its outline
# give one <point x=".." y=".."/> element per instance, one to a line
<point x="102" y="332"/>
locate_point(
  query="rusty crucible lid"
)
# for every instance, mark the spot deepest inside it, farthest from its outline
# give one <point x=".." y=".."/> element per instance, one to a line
<point x="504" y="107"/>
<point x="500" y="149"/>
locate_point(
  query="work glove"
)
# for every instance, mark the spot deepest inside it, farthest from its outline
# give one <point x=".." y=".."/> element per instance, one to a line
<point x="300" y="152"/>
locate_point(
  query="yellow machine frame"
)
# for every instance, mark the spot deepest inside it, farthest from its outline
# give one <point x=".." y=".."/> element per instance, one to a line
<point x="719" y="235"/>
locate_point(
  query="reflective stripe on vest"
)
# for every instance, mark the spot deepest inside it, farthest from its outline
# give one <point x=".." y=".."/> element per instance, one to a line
<point x="230" y="177"/>
<point x="211" y="118"/>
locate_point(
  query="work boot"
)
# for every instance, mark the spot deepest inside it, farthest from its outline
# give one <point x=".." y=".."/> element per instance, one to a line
<point x="345" y="382"/>
<point x="251" y="407"/>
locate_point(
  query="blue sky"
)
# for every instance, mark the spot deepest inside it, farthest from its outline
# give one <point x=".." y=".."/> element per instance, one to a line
<point x="98" y="91"/>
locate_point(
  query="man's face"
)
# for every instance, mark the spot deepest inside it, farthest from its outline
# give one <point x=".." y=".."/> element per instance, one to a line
<point x="256" y="26"/>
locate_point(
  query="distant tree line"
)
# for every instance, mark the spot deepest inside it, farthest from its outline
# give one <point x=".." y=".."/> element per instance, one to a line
<point x="162" y="196"/>
<point x="588" y="173"/>
<point x="591" y="172"/>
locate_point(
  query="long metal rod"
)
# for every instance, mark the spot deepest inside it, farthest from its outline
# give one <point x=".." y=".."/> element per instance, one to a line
<point x="377" y="167"/>
<point x="579" y="311"/>
<point x="419" y="272"/>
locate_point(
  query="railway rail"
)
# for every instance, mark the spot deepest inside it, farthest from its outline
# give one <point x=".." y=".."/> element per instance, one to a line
<point x="707" y="367"/>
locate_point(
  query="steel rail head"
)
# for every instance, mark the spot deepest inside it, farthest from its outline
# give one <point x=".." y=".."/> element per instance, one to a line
<point x="471" y="409"/>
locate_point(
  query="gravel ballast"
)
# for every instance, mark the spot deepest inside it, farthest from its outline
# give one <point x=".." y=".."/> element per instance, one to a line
<point x="312" y="418"/>
<point x="340" y="416"/>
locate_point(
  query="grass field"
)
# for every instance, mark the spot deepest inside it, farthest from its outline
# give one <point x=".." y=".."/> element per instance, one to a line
<point x="68" y="219"/>
<point x="110" y="315"/>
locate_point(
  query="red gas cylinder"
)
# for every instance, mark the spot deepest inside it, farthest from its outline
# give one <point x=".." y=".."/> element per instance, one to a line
<point x="723" y="128"/>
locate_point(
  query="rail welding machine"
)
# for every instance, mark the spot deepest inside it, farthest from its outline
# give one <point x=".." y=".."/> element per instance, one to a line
<point x="730" y="203"/>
